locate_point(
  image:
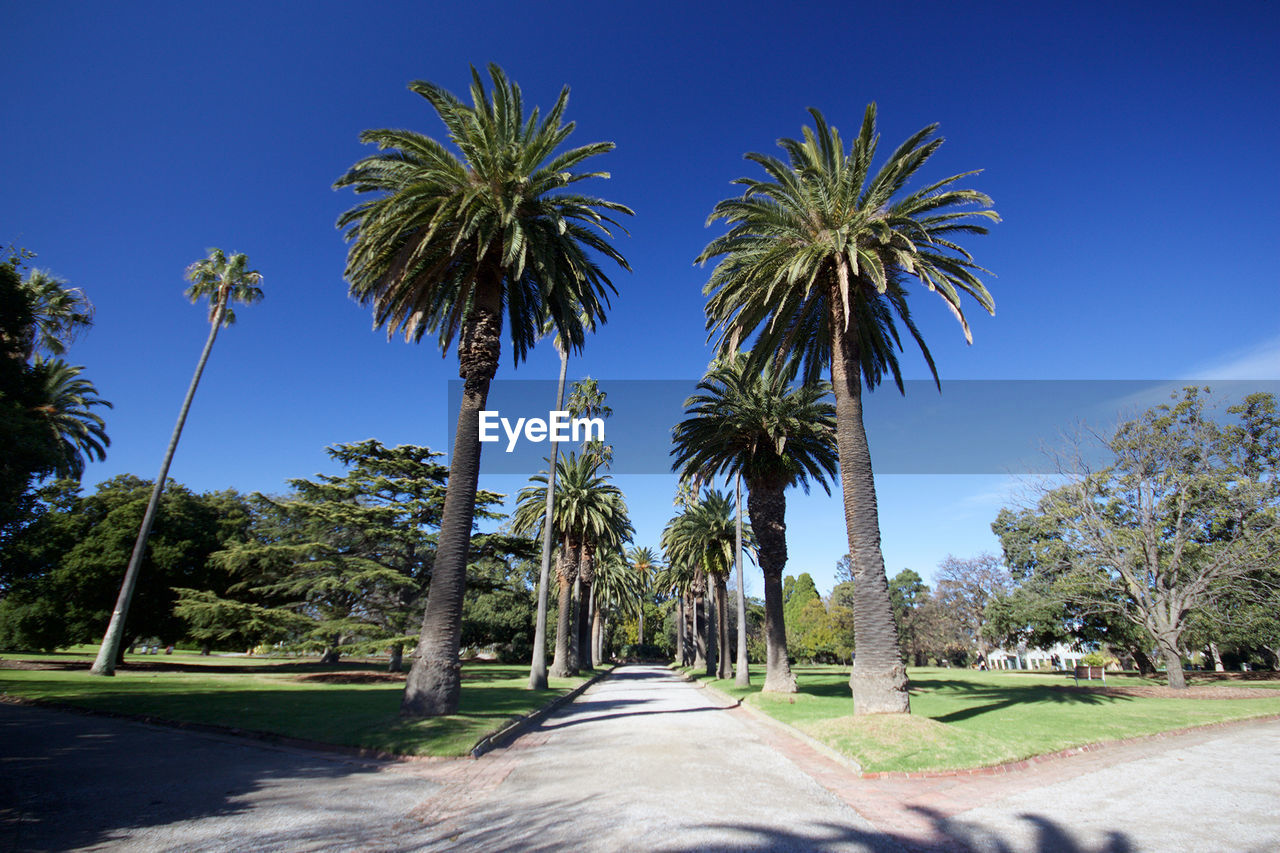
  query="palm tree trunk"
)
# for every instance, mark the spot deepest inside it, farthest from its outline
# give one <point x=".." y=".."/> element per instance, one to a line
<point x="587" y="575"/>
<point x="767" y="507"/>
<point x="105" y="664"/>
<point x="538" y="667"/>
<point x="597" y="638"/>
<point x="575" y="650"/>
<point x="711" y="644"/>
<point x="699" y="637"/>
<point x="724" y="668"/>
<point x="396" y="664"/>
<point x="743" y="675"/>
<point x="640" y="631"/>
<point x="568" y="574"/>
<point x="879" y="680"/>
<point x="679" y="652"/>
<point x="434" y="683"/>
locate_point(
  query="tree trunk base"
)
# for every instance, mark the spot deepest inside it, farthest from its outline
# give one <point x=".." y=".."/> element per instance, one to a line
<point x="396" y="664"/>
<point x="779" y="682"/>
<point x="879" y="691"/>
<point x="432" y="689"/>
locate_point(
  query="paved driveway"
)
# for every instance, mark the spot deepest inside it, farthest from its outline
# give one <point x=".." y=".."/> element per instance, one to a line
<point x="643" y="761"/>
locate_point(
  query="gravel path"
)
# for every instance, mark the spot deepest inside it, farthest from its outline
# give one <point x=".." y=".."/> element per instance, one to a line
<point x="642" y="761"/>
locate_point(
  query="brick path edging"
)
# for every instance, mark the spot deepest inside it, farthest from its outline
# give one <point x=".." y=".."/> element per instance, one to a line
<point x="989" y="770"/>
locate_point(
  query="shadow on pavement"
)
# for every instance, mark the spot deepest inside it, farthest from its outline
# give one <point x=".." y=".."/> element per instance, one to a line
<point x="70" y="781"/>
<point x="558" y="826"/>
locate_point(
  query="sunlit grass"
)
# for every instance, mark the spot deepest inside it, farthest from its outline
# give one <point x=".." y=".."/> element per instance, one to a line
<point x="962" y="718"/>
<point x="275" y="697"/>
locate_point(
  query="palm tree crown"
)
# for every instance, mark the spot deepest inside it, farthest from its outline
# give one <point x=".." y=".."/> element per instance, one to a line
<point x="824" y="229"/>
<point x="759" y="425"/>
<point x="442" y="227"/>
<point x="223" y="279"/>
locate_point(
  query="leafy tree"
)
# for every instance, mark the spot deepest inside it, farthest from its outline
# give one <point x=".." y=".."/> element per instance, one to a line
<point x="61" y="573"/>
<point x="815" y="264"/>
<point x="1185" y="514"/>
<point x="446" y="246"/>
<point x="353" y="553"/>
<point x="222" y="280"/>
<point x="757" y="425"/>
<point x="907" y="592"/>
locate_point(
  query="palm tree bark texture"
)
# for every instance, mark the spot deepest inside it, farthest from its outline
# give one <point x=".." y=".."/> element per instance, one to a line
<point x="434" y="683"/>
<point x="768" y="510"/>
<point x="587" y="576"/>
<point x="567" y="574"/>
<point x="879" y="679"/>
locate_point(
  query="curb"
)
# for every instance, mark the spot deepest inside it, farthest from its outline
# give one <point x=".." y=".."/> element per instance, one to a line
<point x="986" y="770"/>
<point x="1048" y="757"/>
<point x="761" y="716"/>
<point x="506" y="735"/>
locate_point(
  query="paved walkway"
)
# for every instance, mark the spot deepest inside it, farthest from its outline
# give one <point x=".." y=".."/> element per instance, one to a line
<point x="643" y="761"/>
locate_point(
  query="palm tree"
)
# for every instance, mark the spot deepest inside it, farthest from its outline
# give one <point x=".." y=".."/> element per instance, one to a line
<point x="59" y="313"/>
<point x="774" y="435"/>
<point x="705" y="535"/>
<point x="447" y="246"/>
<point x="587" y="508"/>
<point x="618" y="590"/>
<point x="67" y="403"/>
<point x="644" y="562"/>
<point x="222" y="280"/>
<point x="816" y="259"/>
<point x="677" y="577"/>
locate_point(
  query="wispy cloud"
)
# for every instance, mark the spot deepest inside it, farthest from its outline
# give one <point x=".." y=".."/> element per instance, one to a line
<point x="1259" y="361"/>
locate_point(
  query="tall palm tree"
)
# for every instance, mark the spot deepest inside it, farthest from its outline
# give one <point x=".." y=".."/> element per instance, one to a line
<point x="221" y="279"/>
<point x="644" y="563"/>
<point x="448" y="245"/>
<point x="538" y="664"/>
<point x="67" y="403"/>
<point x="587" y="508"/>
<point x="817" y="259"/>
<point x="758" y="425"/>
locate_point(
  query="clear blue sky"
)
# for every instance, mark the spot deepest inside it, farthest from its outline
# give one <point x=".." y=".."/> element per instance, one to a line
<point x="1132" y="150"/>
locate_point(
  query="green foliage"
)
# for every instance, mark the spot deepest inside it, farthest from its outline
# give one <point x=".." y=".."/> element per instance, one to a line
<point x="62" y="573"/>
<point x="505" y="212"/>
<point x="47" y="425"/>
<point x="757" y="424"/>
<point x="1181" y="529"/>
<point x="823" y="237"/>
<point x="350" y="554"/>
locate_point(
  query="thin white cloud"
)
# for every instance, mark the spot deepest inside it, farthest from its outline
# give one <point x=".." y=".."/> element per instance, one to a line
<point x="1259" y="361"/>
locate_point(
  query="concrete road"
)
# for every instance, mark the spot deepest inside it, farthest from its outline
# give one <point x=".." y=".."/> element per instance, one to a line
<point x="643" y="761"/>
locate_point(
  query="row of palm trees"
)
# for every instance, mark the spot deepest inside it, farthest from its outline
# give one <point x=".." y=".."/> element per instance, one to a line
<point x="812" y="272"/>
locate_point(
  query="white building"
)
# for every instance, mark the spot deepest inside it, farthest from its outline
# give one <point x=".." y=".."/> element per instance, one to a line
<point x="1058" y="656"/>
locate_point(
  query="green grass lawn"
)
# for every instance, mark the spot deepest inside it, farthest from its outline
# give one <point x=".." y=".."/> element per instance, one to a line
<point x="277" y="697"/>
<point x="962" y="718"/>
